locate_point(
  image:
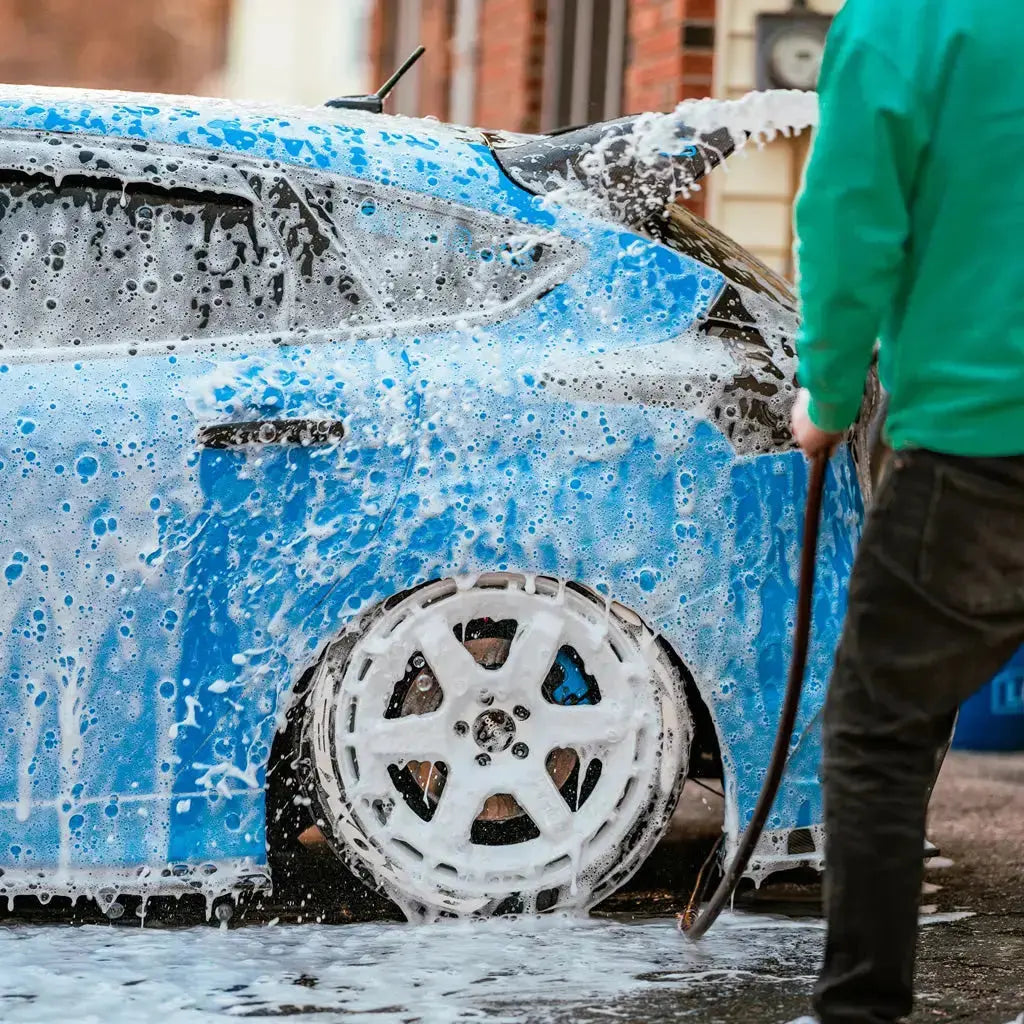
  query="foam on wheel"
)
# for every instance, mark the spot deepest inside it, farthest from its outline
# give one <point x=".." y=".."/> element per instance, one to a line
<point x="511" y="745"/>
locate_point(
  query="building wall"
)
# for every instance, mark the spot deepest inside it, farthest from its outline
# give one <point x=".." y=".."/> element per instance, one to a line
<point x="175" y="46"/>
<point x="507" y="58"/>
<point x="436" y="27"/>
<point x="303" y="52"/>
<point x="753" y="199"/>
<point x="665" y="63"/>
<point x="510" y="64"/>
<point x="661" y="68"/>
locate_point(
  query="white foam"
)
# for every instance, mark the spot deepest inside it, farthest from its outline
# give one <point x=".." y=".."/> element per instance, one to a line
<point x="504" y="972"/>
<point x="759" y="117"/>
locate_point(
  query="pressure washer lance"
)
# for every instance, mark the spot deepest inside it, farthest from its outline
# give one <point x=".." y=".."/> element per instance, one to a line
<point x="689" y="923"/>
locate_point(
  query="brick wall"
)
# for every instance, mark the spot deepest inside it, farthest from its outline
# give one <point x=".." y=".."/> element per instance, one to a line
<point x="380" y="43"/>
<point x="145" y="45"/>
<point x="670" y="52"/>
<point x="698" y="49"/>
<point x="510" y="64"/>
<point x="669" y="56"/>
<point x="433" y="72"/>
<point x="510" y="58"/>
<point x="654" y="57"/>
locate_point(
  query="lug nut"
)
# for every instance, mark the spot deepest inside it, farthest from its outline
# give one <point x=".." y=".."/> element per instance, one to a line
<point x="520" y="712"/>
<point x="461" y="728"/>
<point x="520" y="750"/>
<point x="483" y="760"/>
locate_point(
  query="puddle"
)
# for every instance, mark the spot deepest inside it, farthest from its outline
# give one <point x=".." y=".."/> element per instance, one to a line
<point x="507" y="972"/>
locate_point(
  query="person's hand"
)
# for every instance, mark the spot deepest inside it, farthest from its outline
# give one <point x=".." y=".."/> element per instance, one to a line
<point x="812" y="440"/>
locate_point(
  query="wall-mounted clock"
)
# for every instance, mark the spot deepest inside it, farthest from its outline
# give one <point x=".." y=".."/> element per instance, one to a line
<point x="790" y="48"/>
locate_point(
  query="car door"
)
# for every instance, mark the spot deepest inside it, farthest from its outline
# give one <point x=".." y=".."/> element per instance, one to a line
<point x="184" y="473"/>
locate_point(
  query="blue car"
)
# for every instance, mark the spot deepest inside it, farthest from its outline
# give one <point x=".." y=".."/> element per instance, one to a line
<point x="354" y="449"/>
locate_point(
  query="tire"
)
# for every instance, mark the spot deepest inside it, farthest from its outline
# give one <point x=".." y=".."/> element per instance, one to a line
<point x="512" y="744"/>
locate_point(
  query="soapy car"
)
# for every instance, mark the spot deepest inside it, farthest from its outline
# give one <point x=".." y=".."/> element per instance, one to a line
<point x="363" y="426"/>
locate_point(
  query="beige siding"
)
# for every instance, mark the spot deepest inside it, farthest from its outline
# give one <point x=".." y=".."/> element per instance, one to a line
<point x="760" y="222"/>
<point x="306" y="52"/>
<point x="753" y="202"/>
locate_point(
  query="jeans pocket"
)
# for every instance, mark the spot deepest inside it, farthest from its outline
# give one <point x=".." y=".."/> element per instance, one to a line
<point x="895" y="522"/>
<point x="972" y="549"/>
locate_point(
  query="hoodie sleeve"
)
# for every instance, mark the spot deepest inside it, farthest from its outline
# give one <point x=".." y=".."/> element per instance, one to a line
<point x="852" y="217"/>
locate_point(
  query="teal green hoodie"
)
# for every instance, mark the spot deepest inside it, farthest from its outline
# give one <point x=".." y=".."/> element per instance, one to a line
<point x="911" y="223"/>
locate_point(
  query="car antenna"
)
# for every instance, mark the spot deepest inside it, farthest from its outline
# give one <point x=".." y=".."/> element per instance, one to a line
<point x="374" y="102"/>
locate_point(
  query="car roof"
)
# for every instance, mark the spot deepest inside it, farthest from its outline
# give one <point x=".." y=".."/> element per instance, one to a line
<point x="214" y="106"/>
<point x="127" y="114"/>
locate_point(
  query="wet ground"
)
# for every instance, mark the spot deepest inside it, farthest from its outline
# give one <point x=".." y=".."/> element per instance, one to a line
<point x="971" y="959"/>
<point x="627" y="964"/>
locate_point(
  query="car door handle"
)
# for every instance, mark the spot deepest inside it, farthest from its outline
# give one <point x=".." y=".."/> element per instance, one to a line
<point x="304" y="433"/>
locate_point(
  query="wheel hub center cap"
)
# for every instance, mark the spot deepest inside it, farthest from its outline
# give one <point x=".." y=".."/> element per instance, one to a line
<point x="494" y="731"/>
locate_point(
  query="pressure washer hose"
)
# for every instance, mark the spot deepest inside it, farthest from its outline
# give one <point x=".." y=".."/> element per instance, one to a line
<point x="696" y="927"/>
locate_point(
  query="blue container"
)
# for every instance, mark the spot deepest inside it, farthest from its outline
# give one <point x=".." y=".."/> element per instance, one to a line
<point x="993" y="719"/>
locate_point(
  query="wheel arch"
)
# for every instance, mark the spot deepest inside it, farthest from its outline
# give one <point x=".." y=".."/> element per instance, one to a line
<point x="705" y="756"/>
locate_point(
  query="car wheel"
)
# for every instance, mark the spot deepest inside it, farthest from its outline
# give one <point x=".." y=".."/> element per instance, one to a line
<point x="512" y="744"/>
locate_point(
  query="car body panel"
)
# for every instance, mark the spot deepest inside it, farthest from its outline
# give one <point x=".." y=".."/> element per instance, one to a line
<point x="204" y="581"/>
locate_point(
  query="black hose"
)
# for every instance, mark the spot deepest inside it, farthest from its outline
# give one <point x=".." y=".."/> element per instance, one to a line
<point x="695" y="928"/>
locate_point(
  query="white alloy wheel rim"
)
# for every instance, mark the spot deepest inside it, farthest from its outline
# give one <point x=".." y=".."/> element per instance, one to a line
<point x="494" y="732"/>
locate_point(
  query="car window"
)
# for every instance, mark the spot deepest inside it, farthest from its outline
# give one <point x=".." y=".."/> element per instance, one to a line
<point x="141" y="243"/>
<point x="435" y="262"/>
<point x="378" y="256"/>
<point x="89" y="260"/>
<point x="329" y="289"/>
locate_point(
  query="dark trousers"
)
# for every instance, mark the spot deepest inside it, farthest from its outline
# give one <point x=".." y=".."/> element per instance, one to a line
<point x="936" y="609"/>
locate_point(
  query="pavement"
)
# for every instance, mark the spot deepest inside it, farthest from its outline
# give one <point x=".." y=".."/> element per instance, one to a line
<point x="974" y="971"/>
<point x="970" y="968"/>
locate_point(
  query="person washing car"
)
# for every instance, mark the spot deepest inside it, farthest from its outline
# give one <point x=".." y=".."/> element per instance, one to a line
<point x="911" y="229"/>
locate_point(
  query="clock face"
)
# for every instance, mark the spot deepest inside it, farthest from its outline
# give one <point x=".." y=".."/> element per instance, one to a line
<point x="796" y="59"/>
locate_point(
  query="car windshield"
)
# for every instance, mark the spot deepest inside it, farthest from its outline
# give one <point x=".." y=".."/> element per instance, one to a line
<point x="686" y="233"/>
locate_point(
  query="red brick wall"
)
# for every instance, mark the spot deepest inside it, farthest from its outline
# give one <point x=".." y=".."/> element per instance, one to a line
<point x="437" y="23"/>
<point x="510" y="64"/>
<point x="654" y="55"/>
<point x="145" y="45"/>
<point x="660" y="70"/>
<point x="698" y="65"/>
<point x="378" y="43"/>
<point x="436" y="27"/>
